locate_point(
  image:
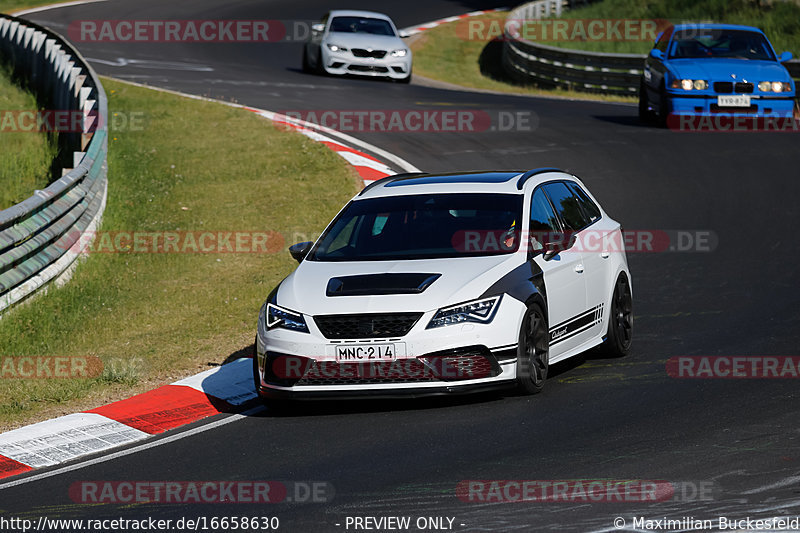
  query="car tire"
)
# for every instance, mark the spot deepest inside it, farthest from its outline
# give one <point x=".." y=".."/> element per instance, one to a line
<point x="645" y="114"/>
<point x="319" y="68"/>
<point x="620" y="320"/>
<point x="533" y="351"/>
<point x="407" y="79"/>
<point x="256" y="376"/>
<point x="306" y="65"/>
<point x="663" y="107"/>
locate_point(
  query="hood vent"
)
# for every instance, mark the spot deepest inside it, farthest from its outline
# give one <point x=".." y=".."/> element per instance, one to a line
<point x="378" y="284"/>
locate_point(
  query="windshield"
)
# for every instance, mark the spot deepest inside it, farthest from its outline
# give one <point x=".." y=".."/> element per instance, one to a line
<point x="735" y="44"/>
<point x="423" y="227"/>
<point x="361" y="25"/>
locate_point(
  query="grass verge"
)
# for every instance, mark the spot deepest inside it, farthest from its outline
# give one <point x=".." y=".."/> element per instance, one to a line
<point x="444" y="54"/>
<point x="778" y="19"/>
<point x="189" y="165"/>
<point x="12" y="6"/>
<point x="25" y="157"/>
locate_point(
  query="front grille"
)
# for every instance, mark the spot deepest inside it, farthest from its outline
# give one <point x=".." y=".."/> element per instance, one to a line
<point x="462" y="366"/>
<point x="377" y="54"/>
<point x="717" y="109"/>
<point x="723" y="86"/>
<point x="400" y="371"/>
<point x="728" y="87"/>
<point x="366" y="326"/>
<point x="367" y="68"/>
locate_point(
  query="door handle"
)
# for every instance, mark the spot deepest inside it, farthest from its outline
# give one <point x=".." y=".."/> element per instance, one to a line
<point x="579" y="268"/>
<point x="604" y="255"/>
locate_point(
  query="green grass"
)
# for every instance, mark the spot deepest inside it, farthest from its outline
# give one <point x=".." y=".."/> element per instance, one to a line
<point x="780" y="20"/>
<point x="445" y="54"/>
<point x="10" y="6"/>
<point x="25" y="157"/>
<point x="152" y="318"/>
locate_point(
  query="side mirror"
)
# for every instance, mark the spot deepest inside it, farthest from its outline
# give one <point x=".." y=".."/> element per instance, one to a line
<point x="784" y="57"/>
<point x="318" y="27"/>
<point x="403" y="34"/>
<point x="655" y="53"/>
<point x="557" y="243"/>
<point x="300" y="250"/>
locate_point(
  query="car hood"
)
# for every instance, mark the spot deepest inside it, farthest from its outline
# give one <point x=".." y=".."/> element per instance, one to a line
<point x="721" y="69"/>
<point x="306" y="289"/>
<point x="365" y="40"/>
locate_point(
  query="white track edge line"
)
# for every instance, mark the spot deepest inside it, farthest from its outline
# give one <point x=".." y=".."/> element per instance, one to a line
<point x="139" y="448"/>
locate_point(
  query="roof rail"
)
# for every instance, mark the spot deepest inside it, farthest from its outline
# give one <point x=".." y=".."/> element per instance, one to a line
<point x="529" y="174"/>
<point x="389" y="179"/>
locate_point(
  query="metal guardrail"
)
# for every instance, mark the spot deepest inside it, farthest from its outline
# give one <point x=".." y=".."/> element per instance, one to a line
<point x="41" y="237"/>
<point x="550" y="66"/>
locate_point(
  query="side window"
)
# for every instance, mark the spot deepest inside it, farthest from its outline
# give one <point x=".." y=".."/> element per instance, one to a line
<point x="543" y="219"/>
<point x="589" y="207"/>
<point x="567" y="205"/>
<point x="664" y="40"/>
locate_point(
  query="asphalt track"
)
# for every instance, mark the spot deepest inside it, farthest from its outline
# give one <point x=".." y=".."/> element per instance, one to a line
<point x="598" y="418"/>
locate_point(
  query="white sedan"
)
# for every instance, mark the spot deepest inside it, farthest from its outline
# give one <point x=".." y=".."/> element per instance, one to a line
<point x="363" y="43"/>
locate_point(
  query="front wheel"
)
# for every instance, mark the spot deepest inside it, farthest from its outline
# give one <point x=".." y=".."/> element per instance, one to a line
<point x="663" y="107"/>
<point x="256" y="371"/>
<point x="306" y="64"/>
<point x="620" y="322"/>
<point x="645" y="115"/>
<point x="533" y="352"/>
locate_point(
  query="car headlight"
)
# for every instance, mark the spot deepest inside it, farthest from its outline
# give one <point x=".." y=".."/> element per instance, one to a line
<point x="688" y="85"/>
<point x="336" y="48"/>
<point x="399" y="53"/>
<point x="481" y="311"/>
<point x="774" y="86"/>
<point x="278" y="317"/>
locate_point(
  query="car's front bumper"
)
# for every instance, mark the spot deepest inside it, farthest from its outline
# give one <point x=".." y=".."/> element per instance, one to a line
<point x="340" y="63"/>
<point x="776" y="106"/>
<point x="423" y="366"/>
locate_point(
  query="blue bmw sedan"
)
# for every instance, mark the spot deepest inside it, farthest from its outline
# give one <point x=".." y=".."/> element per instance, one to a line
<point x="714" y="69"/>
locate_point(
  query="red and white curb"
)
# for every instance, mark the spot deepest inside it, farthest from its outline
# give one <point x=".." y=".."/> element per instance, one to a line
<point x="413" y="30"/>
<point x="222" y="389"/>
<point x="368" y="167"/>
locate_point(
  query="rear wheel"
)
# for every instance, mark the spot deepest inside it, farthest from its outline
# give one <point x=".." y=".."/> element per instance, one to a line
<point x="533" y="352"/>
<point x="620" y="321"/>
